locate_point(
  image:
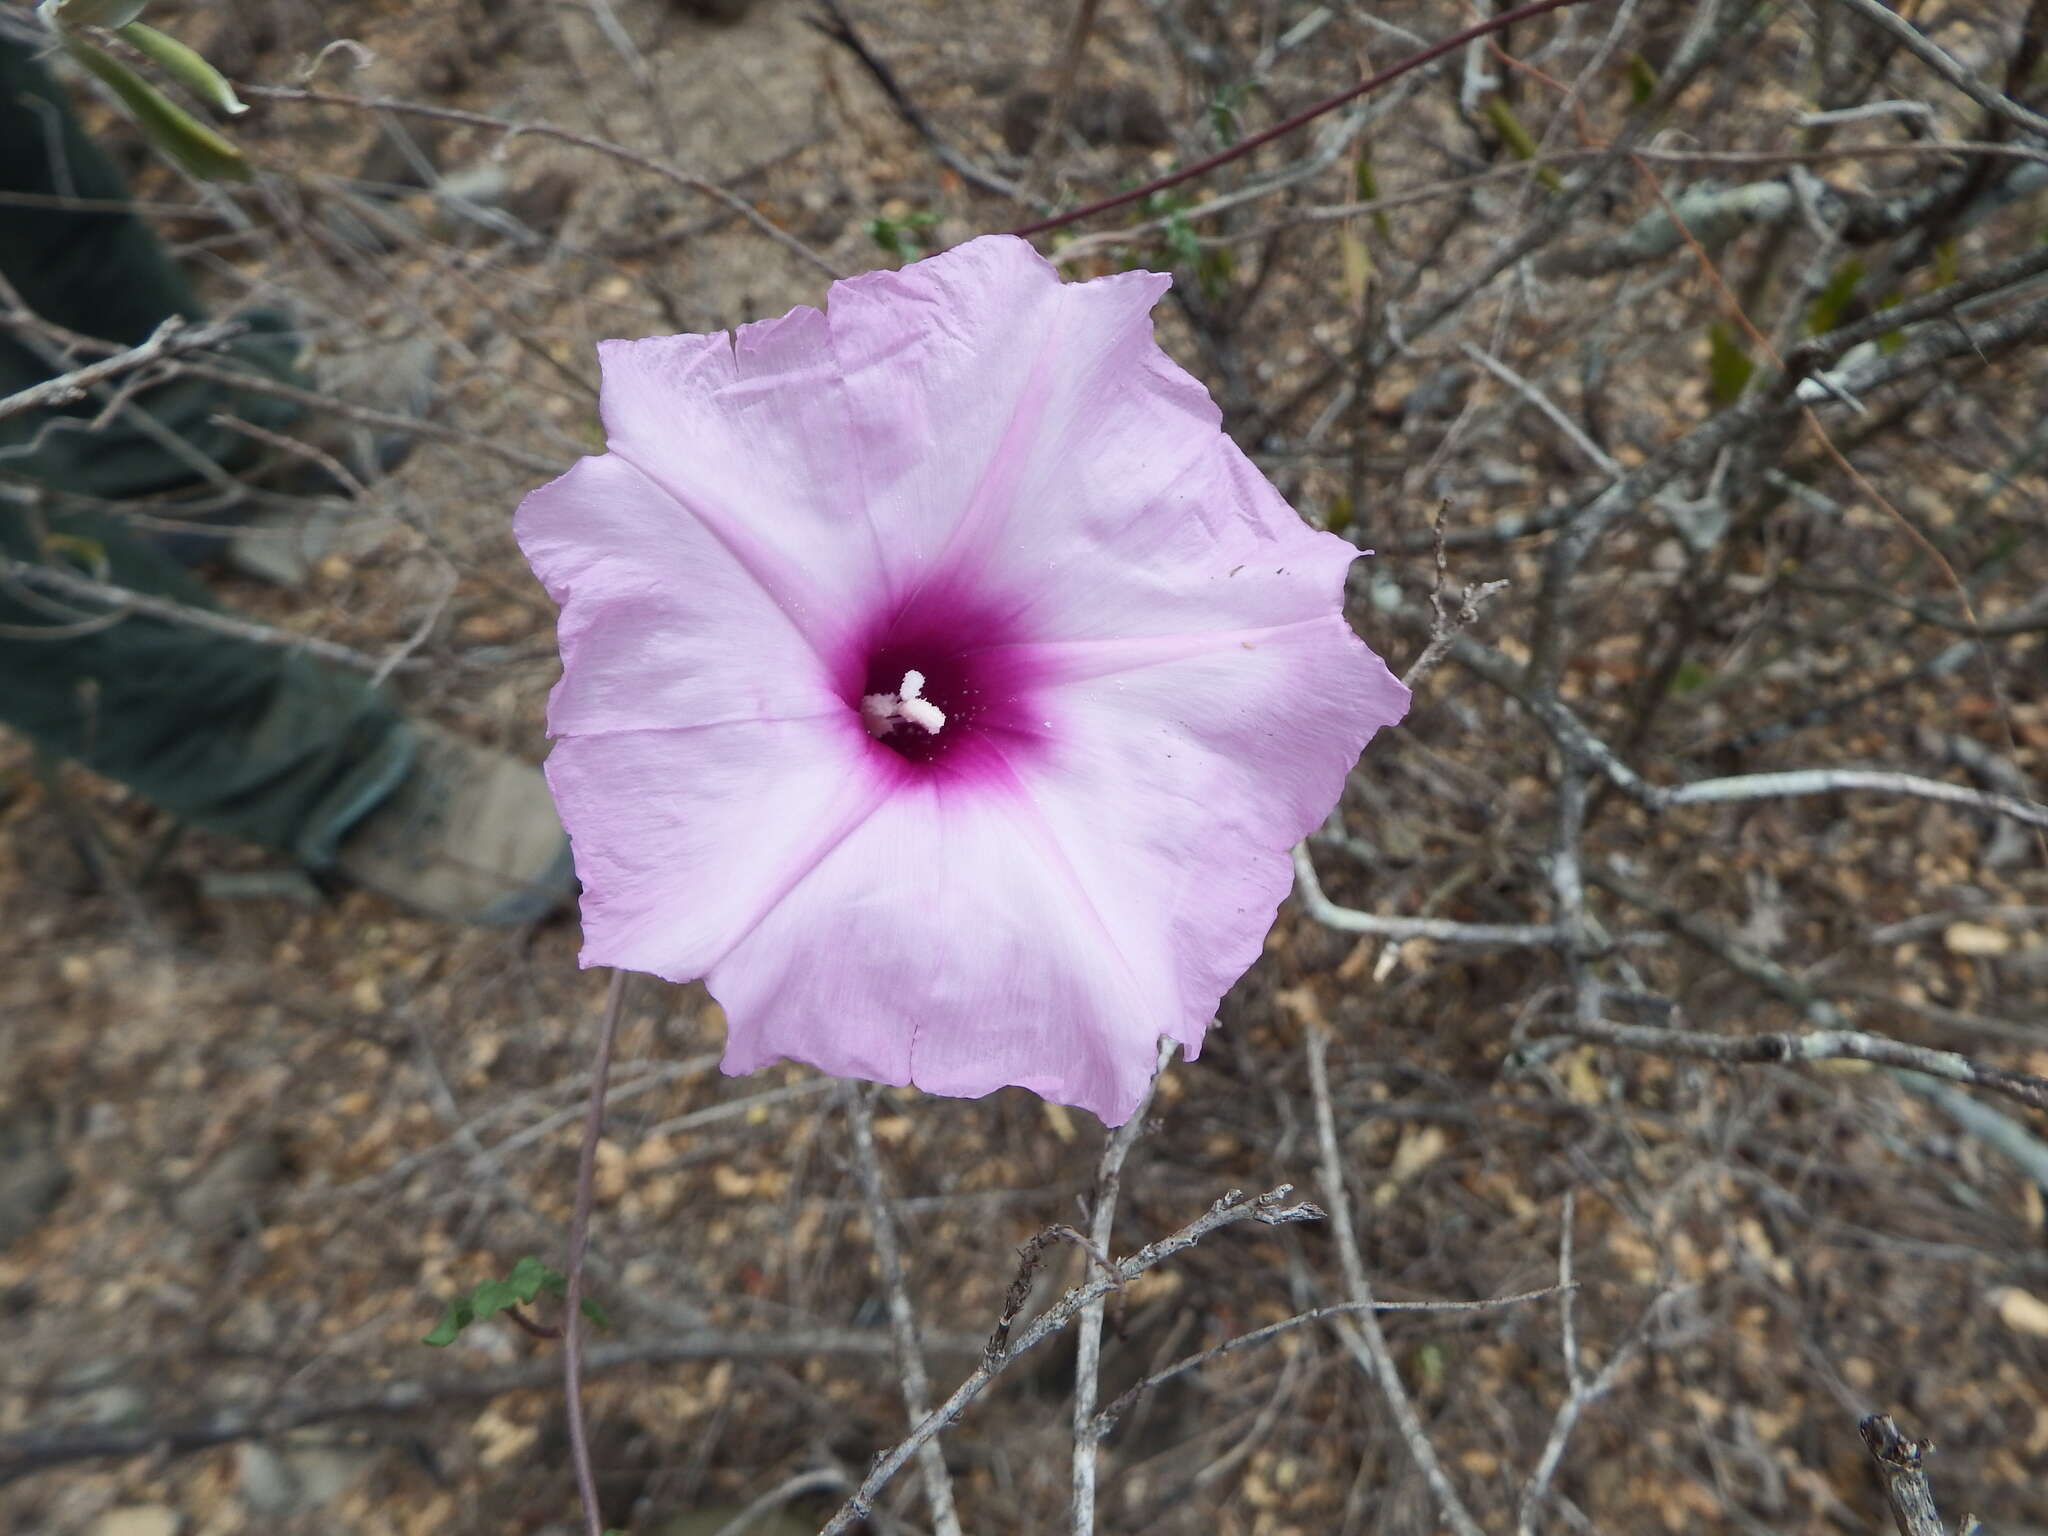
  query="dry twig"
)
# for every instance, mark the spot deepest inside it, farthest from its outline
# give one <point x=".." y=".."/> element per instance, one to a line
<point x="1088" y="1334"/>
<point x="1364" y="1337"/>
<point x="917" y="1386"/>
<point x="1271" y="1209"/>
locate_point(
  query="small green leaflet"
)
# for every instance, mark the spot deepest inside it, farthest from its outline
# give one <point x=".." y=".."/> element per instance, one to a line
<point x="186" y="67"/>
<point x="170" y="127"/>
<point x="1728" y="366"/>
<point x="1831" y="304"/>
<point x="529" y="1277"/>
<point x="902" y="237"/>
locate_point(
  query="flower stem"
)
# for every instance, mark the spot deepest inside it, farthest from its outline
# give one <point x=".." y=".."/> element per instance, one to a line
<point x="579" y="1241"/>
<point x="1307" y="115"/>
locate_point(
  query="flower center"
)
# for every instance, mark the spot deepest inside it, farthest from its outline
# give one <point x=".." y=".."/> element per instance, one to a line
<point x="945" y="684"/>
<point x="882" y="713"/>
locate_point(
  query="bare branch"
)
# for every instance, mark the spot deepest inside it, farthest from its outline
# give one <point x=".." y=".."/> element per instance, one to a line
<point x="1088" y="1336"/>
<point x="917" y="1386"/>
<point x="125" y="602"/>
<point x="1572" y="734"/>
<point x="1349" y="920"/>
<point x="1898" y="1462"/>
<point x="1815" y="1045"/>
<point x="1111" y="1416"/>
<point x="579" y="1242"/>
<point x="25" y="1454"/>
<point x="168" y="340"/>
<point x="731" y="201"/>
<point x="1833" y="781"/>
<point x="1271" y="1208"/>
<point x="1364" y="1338"/>
<point x="838" y="26"/>
<point x="1300" y="119"/>
<point x="1917" y="43"/>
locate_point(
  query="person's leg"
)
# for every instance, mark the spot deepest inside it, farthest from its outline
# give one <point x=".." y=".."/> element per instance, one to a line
<point x="79" y="258"/>
<point x="254" y="741"/>
<point x="258" y="742"/>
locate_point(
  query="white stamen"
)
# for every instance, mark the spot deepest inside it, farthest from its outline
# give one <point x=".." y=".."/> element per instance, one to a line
<point x="881" y="713"/>
<point x="925" y="713"/>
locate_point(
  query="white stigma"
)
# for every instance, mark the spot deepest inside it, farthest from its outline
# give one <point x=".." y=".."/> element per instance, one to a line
<point x="881" y="713"/>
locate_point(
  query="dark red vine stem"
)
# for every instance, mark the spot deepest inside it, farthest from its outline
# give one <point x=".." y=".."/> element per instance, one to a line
<point x="1306" y="115"/>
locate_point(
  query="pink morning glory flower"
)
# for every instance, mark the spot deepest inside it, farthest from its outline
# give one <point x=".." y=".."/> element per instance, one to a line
<point x="939" y="683"/>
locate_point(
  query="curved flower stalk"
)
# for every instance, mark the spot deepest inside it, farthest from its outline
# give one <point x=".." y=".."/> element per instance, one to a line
<point x="939" y="683"/>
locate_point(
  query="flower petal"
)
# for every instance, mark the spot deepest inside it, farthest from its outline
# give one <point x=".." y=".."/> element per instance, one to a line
<point x="749" y="433"/>
<point x="651" y="603"/>
<point x="684" y="839"/>
<point x="960" y="372"/>
<point x="1037" y="447"/>
<point x="947" y="942"/>
<point x="1178" y="789"/>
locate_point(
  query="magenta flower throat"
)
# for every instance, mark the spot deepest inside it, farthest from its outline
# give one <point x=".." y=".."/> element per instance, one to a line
<point x="939" y="683"/>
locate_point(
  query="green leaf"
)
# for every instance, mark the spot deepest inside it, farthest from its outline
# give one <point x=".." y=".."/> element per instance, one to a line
<point x="1947" y="261"/>
<point x="1362" y="173"/>
<point x="170" y="127"/>
<point x="527" y="1279"/>
<point x="1690" y="677"/>
<point x="1429" y="1366"/>
<point x="530" y="1277"/>
<point x="1832" y="302"/>
<point x="1728" y="366"/>
<point x="1368" y="183"/>
<point x="1890" y="341"/>
<point x="1642" y="80"/>
<point x="1519" y="139"/>
<point x="899" y="236"/>
<point x="1357" y="268"/>
<point x="1223" y="111"/>
<point x="455" y="1317"/>
<point x="185" y="66"/>
<point x="1215" y="268"/>
<point x="89" y="555"/>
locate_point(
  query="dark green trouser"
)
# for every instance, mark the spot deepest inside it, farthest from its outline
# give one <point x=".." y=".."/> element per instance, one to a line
<point x="250" y="740"/>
